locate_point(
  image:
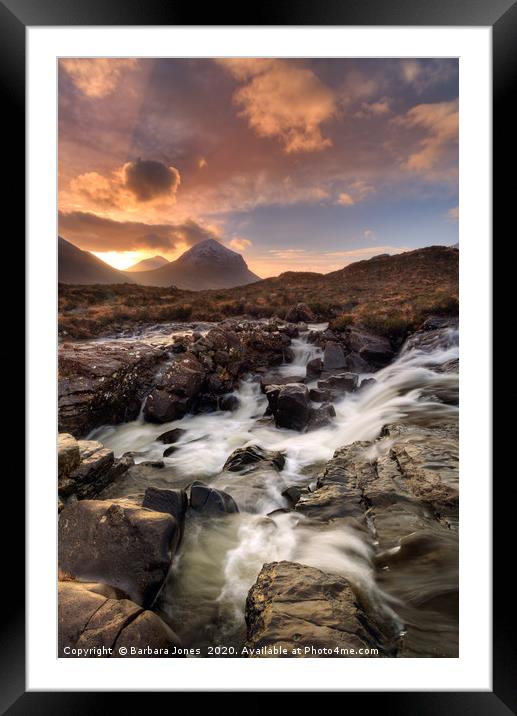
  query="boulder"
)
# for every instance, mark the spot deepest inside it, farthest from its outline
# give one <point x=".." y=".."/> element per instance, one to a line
<point x="372" y="348"/>
<point x="367" y="383"/>
<point x="169" y="451"/>
<point x="333" y="356"/>
<point x="300" y="313"/>
<point x="92" y="624"/>
<point x="355" y="364"/>
<point x="172" y="502"/>
<point x="320" y="395"/>
<point x="229" y="402"/>
<point x="293" y="493"/>
<point x="96" y="470"/>
<point x="123" y="545"/>
<point x="68" y="456"/>
<point x="321" y="417"/>
<point x="314" y="368"/>
<point x="103" y="383"/>
<point x="211" y="502"/>
<point x="308" y="613"/>
<point x="171" y="436"/>
<point x="290" y="405"/>
<point x="343" y="382"/>
<point x="246" y="458"/>
<point x="163" y="407"/>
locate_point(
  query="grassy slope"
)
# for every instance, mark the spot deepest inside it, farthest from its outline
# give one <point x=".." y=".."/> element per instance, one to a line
<point x="390" y="294"/>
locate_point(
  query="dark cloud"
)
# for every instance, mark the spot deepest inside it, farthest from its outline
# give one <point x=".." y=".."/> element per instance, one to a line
<point x="147" y="179"/>
<point x="95" y="233"/>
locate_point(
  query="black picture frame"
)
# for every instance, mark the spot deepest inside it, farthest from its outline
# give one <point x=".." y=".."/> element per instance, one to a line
<point x="501" y="15"/>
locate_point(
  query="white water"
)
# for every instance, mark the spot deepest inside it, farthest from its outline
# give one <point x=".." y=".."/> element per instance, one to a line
<point x="220" y="559"/>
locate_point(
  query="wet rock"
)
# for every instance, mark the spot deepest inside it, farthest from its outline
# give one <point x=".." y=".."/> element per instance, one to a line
<point x="333" y="356"/>
<point x="163" y="407"/>
<point x="321" y="417"/>
<point x="103" y="383"/>
<point x="68" y="457"/>
<point x="169" y="451"/>
<point x="289" y="405"/>
<point x="374" y="349"/>
<point x="275" y="379"/>
<point x="367" y="383"/>
<point x="176" y="388"/>
<point x="206" y="403"/>
<point x="293" y="493"/>
<point x="300" y="312"/>
<point x="211" y="502"/>
<point x="332" y="502"/>
<point x="301" y="608"/>
<point x="89" y="620"/>
<point x="320" y="395"/>
<point x="96" y="470"/>
<point x="247" y="458"/>
<point x="171" y="436"/>
<point x="172" y="502"/>
<point x="355" y="364"/>
<point x="229" y="402"/>
<point x="314" y="368"/>
<point x="125" y="546"/>
<point x="339" y="383"/>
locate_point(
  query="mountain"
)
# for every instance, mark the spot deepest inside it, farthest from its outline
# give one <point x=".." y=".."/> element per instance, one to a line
<point x="148" y="264"/>
<point x="77" y="266"/>
<point x="208" y="264"/>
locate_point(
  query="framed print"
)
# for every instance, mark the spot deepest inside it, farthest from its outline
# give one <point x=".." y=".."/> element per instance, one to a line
<point x="255" y="255"/>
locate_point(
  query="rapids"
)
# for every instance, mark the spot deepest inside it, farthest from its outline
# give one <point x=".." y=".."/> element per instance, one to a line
<point x="219" y="559"/>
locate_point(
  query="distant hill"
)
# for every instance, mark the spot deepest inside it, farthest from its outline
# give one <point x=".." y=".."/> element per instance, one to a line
<point x="82" y="267"/>
<point x="148" y="264"/>
<point x="389" y="294"/>
<point x="206" y="265"/>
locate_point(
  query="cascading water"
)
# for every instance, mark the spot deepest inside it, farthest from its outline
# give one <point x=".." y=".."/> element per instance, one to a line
<point x="220" y="558"/>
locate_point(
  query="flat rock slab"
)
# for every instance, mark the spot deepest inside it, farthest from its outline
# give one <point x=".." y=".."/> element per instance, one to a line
<point x="293" y="606"/>
<point x="92" y="624"/>
<point x="125" y="546"/>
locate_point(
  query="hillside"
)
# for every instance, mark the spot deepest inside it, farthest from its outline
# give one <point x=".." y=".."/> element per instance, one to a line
<point x="81" y="267"/>
<point x="389" y="293"/>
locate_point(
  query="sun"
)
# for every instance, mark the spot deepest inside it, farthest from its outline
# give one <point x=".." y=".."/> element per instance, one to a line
<point x="121" y="260"/>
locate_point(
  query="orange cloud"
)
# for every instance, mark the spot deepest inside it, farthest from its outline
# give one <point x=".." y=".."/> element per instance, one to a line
<point x="240" y="244"/>
<point x="97" y="77"/>
<point x="453" y="214"/>
<point x="440" y="122"/>
<point x="284" y="101"/>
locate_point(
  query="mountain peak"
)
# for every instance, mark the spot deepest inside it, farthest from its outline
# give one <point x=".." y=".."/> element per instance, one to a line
<point x="209" y="247"/>
<point x="148" y="264"/>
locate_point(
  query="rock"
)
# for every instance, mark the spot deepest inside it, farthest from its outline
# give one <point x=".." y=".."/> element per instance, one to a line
<point x="314" y="368"/>
<point x="68" y="457"/>
<point x="103" y="383"/>
<point x="333" y="502"/>
<point x="169" y="451"/>
<point x="205" y="403"/>
<point x="333" y="356"/>
<point x="367" y="383"/>
<point x="247" y="458"/>
<point x="293" y="493"/>
<point x="211" y="502"/>
<point x="229" y="402"/>
<point x="321" y="417"/>
<point x="339" y="383"/>
<point x="372" y="348"/>
<point x="355" y="364"/>
<point x="125" y="546"/>
<point x="296" y="607"/>
<point x="163" y="407"/>
<point x="171" y="436"/>
<point x="300" y="312"/>
<point x="173" y="395"/>
<point x="320" y="395"/>
<point x="272" y="379"/>
<point x="172" y="502"/>
<point x="291" y="406"/>
<point x="91" y="621"/>
<point x="97" y="469"/>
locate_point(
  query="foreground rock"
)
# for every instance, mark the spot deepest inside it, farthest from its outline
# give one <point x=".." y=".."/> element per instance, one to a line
<point x="211" y="502"/>
<point x="290" y="405"/>
<point x="292" y="606"/>
<point x="86" y="467"/>
<point x="94" y="622"/>
<point x="246" y="458"/>
<point x="371" y="348"/>
<point x="125" y="546"/>
<point x="103" y="383"/>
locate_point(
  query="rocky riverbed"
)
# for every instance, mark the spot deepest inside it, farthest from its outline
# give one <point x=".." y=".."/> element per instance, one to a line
<point x="259" y="488"/>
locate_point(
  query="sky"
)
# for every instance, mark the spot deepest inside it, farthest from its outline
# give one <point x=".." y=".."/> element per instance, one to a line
<point x="297" y="164"/>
